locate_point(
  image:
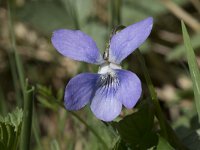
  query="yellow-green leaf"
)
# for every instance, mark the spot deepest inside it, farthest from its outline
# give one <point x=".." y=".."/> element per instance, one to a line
<point x="193" y="67"/>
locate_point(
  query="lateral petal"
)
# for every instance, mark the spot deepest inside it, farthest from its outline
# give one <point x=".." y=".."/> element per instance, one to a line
<point x="80" y="90"/>
<point x="130" y="88"/>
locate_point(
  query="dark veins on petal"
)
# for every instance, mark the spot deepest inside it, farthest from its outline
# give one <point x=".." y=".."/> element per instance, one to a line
<point x="108" y="82"/>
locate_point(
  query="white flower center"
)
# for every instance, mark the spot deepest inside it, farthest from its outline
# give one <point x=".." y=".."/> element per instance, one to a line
<point x="108" y="68"/>
<point x="108" y="78"/>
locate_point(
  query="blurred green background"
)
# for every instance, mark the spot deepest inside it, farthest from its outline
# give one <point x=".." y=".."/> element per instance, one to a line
<point x="33" y="24"/>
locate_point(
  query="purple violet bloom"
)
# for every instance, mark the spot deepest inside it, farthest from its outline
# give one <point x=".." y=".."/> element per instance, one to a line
<point x="112" y="86"/>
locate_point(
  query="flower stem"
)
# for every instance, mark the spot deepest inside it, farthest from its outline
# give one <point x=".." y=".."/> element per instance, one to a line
<point x="88" y="126"/>
<point x="116" y="6"/>
<point x="154" y="99"/>
<point x="166" y="130"/>
<point x="27" y="118"/>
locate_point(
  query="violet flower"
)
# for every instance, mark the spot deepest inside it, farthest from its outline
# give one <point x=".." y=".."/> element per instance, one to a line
<point x="111" y="87"/>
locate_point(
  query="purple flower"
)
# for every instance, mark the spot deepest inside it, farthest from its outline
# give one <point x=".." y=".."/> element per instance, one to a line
<point x="112" y="86"/>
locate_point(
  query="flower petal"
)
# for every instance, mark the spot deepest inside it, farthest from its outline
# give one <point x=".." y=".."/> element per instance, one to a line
<point x="127" y="40"/>
<point x="105" y="105"/>
<point x="130" y="88"/>
<point x="76" y="45"/>
<point x="79" y="91"/>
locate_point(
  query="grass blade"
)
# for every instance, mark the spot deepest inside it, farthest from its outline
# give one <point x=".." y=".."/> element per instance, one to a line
<point x="193" y="67"/>
<point x="13" y="42"/>
<point x="12" y="54"/>
<point x="55" y="145"/>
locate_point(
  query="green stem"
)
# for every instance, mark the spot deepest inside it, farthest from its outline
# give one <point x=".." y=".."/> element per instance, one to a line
<point x="27" y="119"/>
<point x="79" y="119"/>
<point x="115" y="12"/>
<point x="36" y="131"/>
<point x="166" y="131"/>
<point x="118" y="11"/>
<point x="155" y="101"/>
<point x="13" y="42"/>
<point x="89" y="127"/>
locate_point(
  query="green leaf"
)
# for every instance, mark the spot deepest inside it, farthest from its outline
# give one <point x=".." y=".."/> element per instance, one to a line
<point x="163" y="145"/>
<point x="83" y="14"/>
<point x="120" y="145"/>
<point x="99" y="37"/>
<point x="14" y="118"/>
<point x="10" y="129"/>
<point x="137" y="129"/>
<point x="46" y="97"/>
<point x="55" y="145"/>
<point x="193" y="67"/>
<point x="48" y="15"/>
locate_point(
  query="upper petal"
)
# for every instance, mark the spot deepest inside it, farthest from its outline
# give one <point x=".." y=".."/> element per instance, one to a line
<point x="130" y="88"/>
<point x="127" y="40"/>
<point x="76" y="45"/>
<point x="105" y="104"/>
<point x="79" y="91"/>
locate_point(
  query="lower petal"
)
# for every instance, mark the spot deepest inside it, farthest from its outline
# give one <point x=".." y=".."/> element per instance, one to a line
<point x="79" y="91"/>
<point x="105" y="105"/>
<point x="130" y="88"/>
